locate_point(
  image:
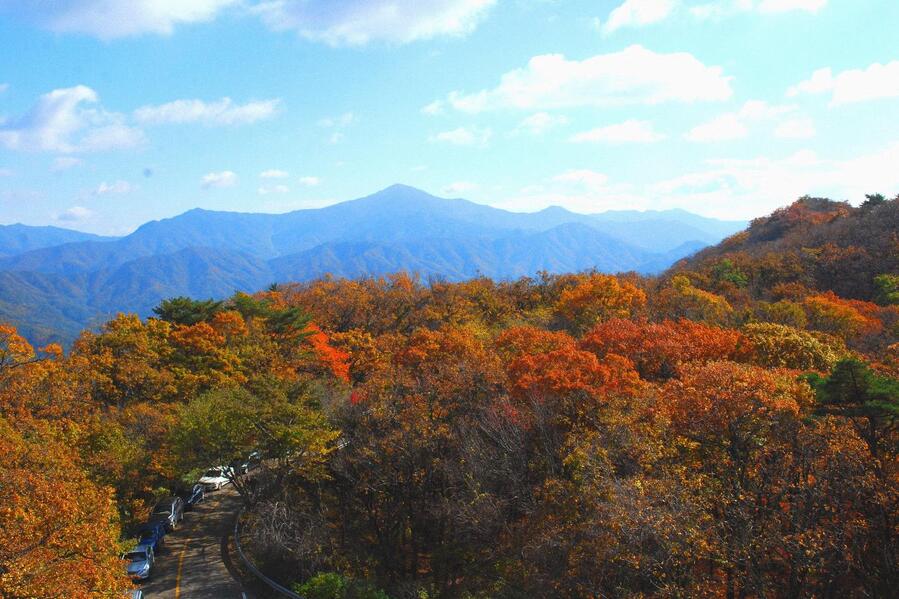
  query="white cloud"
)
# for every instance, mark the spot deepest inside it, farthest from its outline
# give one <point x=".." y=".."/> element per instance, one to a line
<point x="358" y="22"/>
<point x="118" y="187"/>
<point x="876" y="82"/>
<point x="274" y="173"/>
<point x="218" y="180"/>
<point x="335" y="138"/>
<point x="65" y="121"/>
<point x="64" y="163"/>
<point x="541" y="122"/>
<point x="75" y="214"/>
<point x="798" y="128"/>
<point x="271" y="189"/>
<point x="634" y="75"/>
<point x="459" y="187"/>
<point x="735" y="125"/>
<point x="220" y="112"/>
<point x="6" y="172"/>
<point x="309" y="181"/>
<point x="109" y="19"/>
<point x="464" y="136"/>
<point x="638" y="13"/>
<point x="3" y="87"/>
<point x="630" y="131"/>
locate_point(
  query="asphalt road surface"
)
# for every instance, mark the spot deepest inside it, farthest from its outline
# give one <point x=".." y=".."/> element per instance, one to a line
<point x="196" y="562"/>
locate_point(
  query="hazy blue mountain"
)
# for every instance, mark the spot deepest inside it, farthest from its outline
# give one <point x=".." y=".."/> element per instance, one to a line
<point x="55" y="290"/>
<point x="566" y="248"/>
<point x="18" y="239"/>
<point x="396" y="214"/>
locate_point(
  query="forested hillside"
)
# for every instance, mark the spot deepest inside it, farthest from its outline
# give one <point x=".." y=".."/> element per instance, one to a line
<point x="814" y="243"/>
<point x="727" y="429"/>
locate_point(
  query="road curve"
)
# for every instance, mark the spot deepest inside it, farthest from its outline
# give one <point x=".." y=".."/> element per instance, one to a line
<point x="195" y="563"/>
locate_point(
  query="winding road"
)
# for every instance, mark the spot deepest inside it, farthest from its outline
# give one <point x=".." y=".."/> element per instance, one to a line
<point x="196" y="562"/>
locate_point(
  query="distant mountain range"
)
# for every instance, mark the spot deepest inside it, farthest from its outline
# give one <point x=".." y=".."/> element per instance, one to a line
<point x="55" y="282"/>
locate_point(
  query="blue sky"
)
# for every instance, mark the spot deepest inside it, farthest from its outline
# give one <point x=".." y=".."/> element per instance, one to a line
<point x="115" y="112"/>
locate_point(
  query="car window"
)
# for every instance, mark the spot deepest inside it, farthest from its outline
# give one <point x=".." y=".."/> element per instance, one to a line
<point x="213" y="473"/>
<point x="134" y="556"/>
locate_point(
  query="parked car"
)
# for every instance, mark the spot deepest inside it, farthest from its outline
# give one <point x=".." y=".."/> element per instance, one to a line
<point x="153" y="534"/>
<point x="139" y="562"/>
<point x="169" y="510"/>
<point x="215" y="478"/>
<point x="134" y="594"/>
<point x="192" y="496"/>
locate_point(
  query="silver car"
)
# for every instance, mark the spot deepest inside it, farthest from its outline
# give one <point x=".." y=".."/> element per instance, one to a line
<point x="169" y="510"/>
<point x="139" y="562"/>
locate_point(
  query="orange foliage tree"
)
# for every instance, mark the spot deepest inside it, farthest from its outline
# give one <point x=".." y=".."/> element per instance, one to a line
<point x="657" y="349"/>
<point x="597" y="298"/>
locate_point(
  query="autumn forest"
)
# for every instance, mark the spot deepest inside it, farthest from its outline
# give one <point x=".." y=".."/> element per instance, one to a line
<point x="727" y="429"/>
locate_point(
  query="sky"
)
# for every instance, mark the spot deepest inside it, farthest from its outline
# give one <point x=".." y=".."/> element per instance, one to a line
<point x="116" y="112"/>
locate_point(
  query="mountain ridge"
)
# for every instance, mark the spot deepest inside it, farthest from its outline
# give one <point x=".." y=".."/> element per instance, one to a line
<point x="207" y="253"/>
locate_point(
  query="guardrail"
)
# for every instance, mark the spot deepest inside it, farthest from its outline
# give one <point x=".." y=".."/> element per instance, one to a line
<point x="280" y="589"/>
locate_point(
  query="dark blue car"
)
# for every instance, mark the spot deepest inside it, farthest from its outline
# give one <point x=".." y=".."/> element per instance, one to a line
<point x="152" y="534"/>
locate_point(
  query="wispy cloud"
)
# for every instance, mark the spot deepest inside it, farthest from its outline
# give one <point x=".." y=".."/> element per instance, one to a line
<point x="75" y="214"/>
<point x="220" y="112"/>
<point x="337" y="124"/>
<point x="274" y="173"/>
<point x="117" y="188"/>
<point x="219" y="180"/>
<point x="541" y="122"/>
<point x="464" y="136"/>
<point x="340" y="121"/>
<point x="630" y="131"/>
